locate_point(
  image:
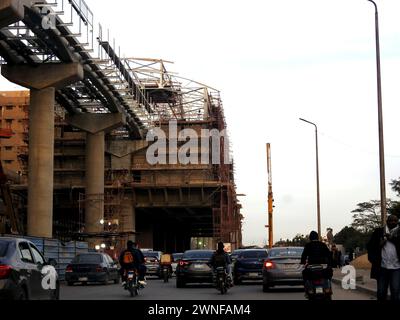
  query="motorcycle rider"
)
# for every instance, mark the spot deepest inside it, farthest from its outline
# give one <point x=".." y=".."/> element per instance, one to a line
<point x="132" y="259"/>
<point x="316" y="252"/>
<point x="221" y="259"/>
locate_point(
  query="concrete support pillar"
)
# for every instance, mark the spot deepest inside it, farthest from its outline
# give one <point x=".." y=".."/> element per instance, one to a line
<point x="128" y="215"/>
<point x="43" y="81"/>
<point x="41" y="163"/>
<point x="95" y="126"/>
<point x="94" y="205"/>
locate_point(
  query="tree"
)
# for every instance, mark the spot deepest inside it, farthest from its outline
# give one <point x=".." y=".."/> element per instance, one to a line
<point x="395" y="207"/>
<point x="367" y="216"/>
<point x="351" y="238"/>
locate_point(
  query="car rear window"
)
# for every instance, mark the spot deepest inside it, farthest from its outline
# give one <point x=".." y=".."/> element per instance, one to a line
<point x="88" y="258"/>
<point x="151" y="254"/>
<point x="3" y="248"/>
<point x="198" y="255"/>
<point x="177" y="256"/>
<point x="253" y="254"/>
<point x="285" y="252"/>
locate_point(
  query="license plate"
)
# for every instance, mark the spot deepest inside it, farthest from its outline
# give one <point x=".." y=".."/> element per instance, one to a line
<point x="319" y="290"/>
<point x="287" y="266"/>
<point x="253" y="275"/>
<point x="198" y="266"/>
<point x="83" y="279"/>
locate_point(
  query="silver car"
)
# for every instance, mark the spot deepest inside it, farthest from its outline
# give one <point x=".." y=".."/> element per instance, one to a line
<point x="283" y="268"/>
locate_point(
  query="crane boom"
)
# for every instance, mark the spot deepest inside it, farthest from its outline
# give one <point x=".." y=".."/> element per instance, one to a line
<point x="270" y="199"/>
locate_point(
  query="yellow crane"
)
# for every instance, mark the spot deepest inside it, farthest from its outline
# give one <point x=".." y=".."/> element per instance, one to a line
<point x="270" y="225"/>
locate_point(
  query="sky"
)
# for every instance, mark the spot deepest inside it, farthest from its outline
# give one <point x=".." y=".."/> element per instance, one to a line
<point x="274" y="62"/>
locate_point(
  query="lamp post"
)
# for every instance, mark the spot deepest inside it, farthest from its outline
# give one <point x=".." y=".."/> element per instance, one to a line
<point x="380" y="119"/>
<point x="317" y="165"/>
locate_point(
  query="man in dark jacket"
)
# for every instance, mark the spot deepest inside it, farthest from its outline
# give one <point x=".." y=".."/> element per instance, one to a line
<point x="384" y="255"/>
<point x="316" y="252"/>
<point x="221" y="259"/>
<point x="137" y="264"/>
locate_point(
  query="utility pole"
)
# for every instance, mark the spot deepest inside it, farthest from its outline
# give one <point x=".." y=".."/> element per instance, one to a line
<point x="270" y="225"/>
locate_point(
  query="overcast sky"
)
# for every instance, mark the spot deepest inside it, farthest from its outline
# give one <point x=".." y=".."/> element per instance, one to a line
<point x="276" y="61"/>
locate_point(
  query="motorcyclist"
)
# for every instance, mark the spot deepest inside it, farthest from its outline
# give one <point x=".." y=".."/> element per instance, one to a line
<point x="316" y="252"/>
<point x="132" y="259"/>
<point x="221" y="259"/>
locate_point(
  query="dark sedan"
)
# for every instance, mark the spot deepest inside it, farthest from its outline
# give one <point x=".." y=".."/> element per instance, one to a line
<point x="194" y="268"/>
<point x="24" y="272"/>
<point x="92" y="267"/>
<point x="283" y="268"/>
<point x="249" y="265"/>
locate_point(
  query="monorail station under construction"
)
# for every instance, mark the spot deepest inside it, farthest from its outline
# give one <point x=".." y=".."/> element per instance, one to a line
<point x="75" y="161"/>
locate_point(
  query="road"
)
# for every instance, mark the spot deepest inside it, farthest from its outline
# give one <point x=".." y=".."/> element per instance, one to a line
<point x="158" y="290"/>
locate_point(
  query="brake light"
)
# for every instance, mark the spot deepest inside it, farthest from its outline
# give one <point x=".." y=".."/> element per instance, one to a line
<point x="269" y="264"/>
<point x="183" y="263"/>
<point x="5" y="271"/>
<point x="69" y="269"/>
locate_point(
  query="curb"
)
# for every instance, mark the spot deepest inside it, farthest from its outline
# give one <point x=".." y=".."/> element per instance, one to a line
<point x="360" y="288"/>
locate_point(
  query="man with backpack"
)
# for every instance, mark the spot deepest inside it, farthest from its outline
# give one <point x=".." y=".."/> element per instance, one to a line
<point x="132" y="259"/>
<point x="221" y="259"/>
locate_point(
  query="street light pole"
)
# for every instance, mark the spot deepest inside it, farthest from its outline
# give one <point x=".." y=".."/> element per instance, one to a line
<point x="380" y="119"/>
<point x="317" y="161"/>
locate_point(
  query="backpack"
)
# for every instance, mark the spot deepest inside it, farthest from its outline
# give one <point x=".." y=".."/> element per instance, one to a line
<point x="128" y="257"/>
<point x="220" y="260"/>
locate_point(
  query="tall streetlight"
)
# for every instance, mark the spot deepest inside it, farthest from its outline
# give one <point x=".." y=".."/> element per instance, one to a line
<point x="380" y="119"/>
<point x="317" y="159"/>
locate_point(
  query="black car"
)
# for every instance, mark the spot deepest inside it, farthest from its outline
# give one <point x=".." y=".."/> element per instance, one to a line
<point x="92" y="267"/>
<point x="249" y="265"/>
<point x="24" y="272"/>
<point x="194" y="268"/>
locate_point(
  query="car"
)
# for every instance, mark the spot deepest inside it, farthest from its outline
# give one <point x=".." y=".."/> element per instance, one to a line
<point x="235" y="254"/>
<point x="176" y="257"/>
<point x="283" y="267"/>
<point x="194" y="268"/>
<point x="24" y="272"/>
<point x="249" y="265"/>
<point x="152" y="262"/>
<point x="92" y="267"/>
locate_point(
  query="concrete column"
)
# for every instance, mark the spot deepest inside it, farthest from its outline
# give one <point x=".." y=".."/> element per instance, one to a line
<point x="43" y="80"/>
<point x="95" y="126"/>
<point x="41" y="163"/>
<point x="94" y="205"/>
<point x="128" y="215"/>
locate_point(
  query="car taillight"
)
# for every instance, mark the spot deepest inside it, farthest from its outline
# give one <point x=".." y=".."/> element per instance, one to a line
<point x="269" y="265"/>
<point x="183" y="263"/>
<point x="69" y="269"/>
<point x="5" y="271"/>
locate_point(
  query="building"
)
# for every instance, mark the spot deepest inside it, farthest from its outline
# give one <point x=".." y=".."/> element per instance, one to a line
<point x="14" y="116"/>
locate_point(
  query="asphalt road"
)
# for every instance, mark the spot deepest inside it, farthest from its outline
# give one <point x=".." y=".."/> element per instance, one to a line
<point x="158" y="290"/>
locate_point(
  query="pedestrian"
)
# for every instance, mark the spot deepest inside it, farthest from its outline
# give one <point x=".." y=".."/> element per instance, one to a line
<point x="384" y="255"/>
<point x="336" y="257"/>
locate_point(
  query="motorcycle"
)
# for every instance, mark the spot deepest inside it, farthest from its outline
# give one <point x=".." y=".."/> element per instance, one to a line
<point x="221" y="280"/>
<point x="318" y="283"/>
<point x="132" y="284"/>
<point x="166" y="272"/>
